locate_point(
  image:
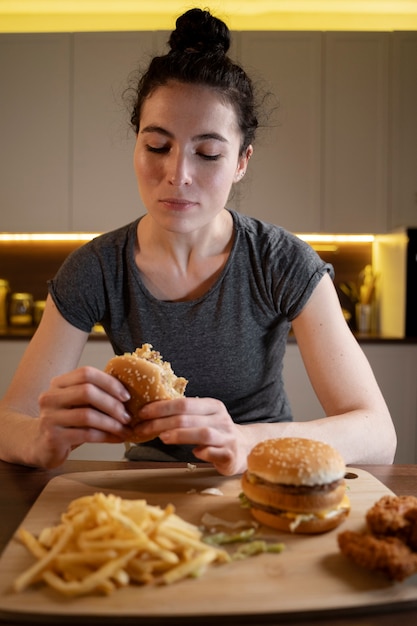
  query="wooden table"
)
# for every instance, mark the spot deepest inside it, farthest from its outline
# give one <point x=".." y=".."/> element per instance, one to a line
<point x="20" y="487"/>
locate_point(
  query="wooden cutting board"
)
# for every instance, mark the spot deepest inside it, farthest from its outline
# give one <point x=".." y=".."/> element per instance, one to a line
<point x="311" y="575"/>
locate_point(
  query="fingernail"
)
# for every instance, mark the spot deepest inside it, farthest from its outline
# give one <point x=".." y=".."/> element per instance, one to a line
<point x="125" y="395"/>
<point x="127" y="417"/>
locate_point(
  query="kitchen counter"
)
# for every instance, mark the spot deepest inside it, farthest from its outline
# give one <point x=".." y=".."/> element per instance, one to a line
<point x="21" y="487"/>
<point x="26" y="333"/>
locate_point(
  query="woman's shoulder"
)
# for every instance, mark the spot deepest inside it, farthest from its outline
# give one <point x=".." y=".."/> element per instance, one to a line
<point x="106" y="248"/>
<point x="265" y="234"/>
<point x="113" y="239"/>
<point x="273" y="248"/>
<point x="101" y="254"/>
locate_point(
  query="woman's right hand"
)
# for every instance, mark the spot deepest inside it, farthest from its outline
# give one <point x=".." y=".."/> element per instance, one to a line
<point x="83" y="405"/>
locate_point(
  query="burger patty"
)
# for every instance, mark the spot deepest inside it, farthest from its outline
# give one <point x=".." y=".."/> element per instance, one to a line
<point x="297" y="489"/>
<point x="265" y="507"/>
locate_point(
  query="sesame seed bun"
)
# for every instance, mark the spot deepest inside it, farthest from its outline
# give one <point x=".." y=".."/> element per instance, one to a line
<point x="147" y="377"/>
<point x="296" y="461"/>
<point x="296" y="485"/>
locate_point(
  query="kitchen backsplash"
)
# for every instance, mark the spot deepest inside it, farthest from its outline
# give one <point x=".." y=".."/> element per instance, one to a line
<point x="29" y="265"/>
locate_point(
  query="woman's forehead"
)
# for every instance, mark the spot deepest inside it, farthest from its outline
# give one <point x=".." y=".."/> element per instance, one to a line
<point x="194" y="105"/>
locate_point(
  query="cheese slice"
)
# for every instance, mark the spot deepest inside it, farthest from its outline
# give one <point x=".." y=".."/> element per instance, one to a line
<point x="324" y="514"/>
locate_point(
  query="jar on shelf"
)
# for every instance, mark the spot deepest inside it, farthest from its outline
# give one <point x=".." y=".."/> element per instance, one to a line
<point x="38" y="309"/>
<point x="21" y="309"/>
<point x="4" y="296"/>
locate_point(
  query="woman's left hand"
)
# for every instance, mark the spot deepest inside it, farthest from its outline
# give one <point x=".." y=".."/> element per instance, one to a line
<point x="202" y="422"/>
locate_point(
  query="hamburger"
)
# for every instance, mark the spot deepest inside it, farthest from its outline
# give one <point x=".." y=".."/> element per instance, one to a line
<point x="147" y="377"/>
<point x="296" y="485"/>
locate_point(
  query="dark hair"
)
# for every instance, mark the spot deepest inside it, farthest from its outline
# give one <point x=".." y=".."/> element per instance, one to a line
<point x="198" y="54"/>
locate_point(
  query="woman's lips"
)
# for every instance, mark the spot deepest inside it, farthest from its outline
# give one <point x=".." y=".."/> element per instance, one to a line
<point x="177" y="204"/>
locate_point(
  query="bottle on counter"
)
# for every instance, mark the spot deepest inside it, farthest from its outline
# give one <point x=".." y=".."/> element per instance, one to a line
<point x="21" y="309"/>
<point x="38" y="309"/>
<point x="4" y="296"/>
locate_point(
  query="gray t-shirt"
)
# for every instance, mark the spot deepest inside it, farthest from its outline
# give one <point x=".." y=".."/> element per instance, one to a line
<point x="230" y="342"/>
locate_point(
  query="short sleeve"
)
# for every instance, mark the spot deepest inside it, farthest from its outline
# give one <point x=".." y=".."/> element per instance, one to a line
<point x="77" y="288"/>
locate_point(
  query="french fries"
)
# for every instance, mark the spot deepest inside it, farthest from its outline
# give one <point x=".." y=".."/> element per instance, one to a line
<point x="104" y="542"/>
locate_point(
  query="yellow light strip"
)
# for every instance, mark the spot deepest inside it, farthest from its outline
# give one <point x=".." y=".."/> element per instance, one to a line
<point x="334" y="238"/>
<point x="47" y="237"/>
<point x="309" y="237"/>
<point x="111" y="15"/>
<point x="325" y="247"/>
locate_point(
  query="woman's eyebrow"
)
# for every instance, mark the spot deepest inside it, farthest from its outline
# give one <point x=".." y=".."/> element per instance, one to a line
<point x="202" y="137"/>
<point x="205" y="136"/>
<point x="156" y="129"/>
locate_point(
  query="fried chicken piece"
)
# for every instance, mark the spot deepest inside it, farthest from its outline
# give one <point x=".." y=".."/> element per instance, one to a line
<point x="394" y="516"/>
<point x="388" y="555"/>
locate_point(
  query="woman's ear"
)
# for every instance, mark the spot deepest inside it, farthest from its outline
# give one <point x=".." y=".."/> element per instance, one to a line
<point x="243" y="164"/>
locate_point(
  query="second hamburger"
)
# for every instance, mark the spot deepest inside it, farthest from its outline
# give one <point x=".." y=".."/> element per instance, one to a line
<point x="296" y="485"/>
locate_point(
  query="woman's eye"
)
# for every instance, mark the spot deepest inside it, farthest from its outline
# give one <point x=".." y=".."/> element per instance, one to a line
<point x="158" y="150"/>
<point x="209" y="157"/>
<point x="166" y="149"/>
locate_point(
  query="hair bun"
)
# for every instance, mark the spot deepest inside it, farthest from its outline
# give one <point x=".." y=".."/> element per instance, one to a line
<point x="199" y="31"/>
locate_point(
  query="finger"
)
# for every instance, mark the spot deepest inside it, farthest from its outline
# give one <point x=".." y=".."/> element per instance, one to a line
<point x="58" y="441"/>
<point x="94" y="376"/>
<point x="151" y="429"/>
<point x="84" y="418"/>
<point x="179" y="406"/>
<point x="91" y="435"/>
<point x="201" y="417"/>
<point x="84" y="395"/>
<point x="221" y="458"/>
<point x="180" y="427"/>
<point x="201" y="436"/>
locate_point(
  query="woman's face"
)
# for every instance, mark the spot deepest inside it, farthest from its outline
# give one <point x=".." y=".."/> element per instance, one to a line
<point x="187" y="155"/>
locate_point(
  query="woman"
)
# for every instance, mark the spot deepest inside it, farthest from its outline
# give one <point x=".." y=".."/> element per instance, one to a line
<point x="215" y="292"/>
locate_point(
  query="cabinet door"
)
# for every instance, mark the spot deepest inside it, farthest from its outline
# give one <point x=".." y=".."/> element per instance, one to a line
<point x="395" y="369"/>
<point x="404" y="130"/>
<point x="34" y="132"/>
<point x="356" y="132"/>
<point x="105" y="194"/>
<point x="303" y="400"/>
<point x="11" y="352"/>
<point x="282" y="185"/>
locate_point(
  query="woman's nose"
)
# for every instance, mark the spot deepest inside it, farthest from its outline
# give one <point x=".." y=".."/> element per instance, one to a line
<point x="179" y="171"/>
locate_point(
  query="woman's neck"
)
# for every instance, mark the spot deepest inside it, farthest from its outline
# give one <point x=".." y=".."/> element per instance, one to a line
<point x="178" y="266"/>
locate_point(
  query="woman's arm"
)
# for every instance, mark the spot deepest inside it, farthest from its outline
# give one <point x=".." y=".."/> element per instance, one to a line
<point x="72" y="406"/>
<point x="358" y="422"/>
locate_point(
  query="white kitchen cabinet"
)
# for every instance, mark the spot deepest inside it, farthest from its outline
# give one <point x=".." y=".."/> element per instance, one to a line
<point x="404" y="130"/>
<point x="356" y="132"/>
<point x="35" y="106"/>
<point x="322" y="165"/>
<point x="394" y="366"/>
<point x="96" y="353"/>
<point x="282" y="185"/>
<point x="337" y="155"/>
<point x="104" y="189"/>
<point x="11" y="352"/>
